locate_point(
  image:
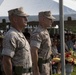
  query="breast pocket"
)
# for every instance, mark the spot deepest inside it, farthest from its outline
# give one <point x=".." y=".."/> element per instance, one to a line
<point x="21" y="44"/>
<point x="47" y="40"/>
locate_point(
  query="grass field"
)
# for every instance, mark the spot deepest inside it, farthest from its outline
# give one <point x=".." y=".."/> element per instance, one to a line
<point x="73" y="73"/>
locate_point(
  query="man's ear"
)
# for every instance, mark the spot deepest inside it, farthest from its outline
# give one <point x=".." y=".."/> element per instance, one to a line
<point x="43" y="19"/>
<point x="15" y="19"/>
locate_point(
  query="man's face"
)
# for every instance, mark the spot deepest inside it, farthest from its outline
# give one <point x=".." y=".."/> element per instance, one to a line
<point x="22" y="21"/>
<point x="48" y="22"/>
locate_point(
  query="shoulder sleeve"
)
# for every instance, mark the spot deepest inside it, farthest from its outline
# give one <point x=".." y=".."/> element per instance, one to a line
<point x="36" y="40"/>
<point x="9" y="45"/>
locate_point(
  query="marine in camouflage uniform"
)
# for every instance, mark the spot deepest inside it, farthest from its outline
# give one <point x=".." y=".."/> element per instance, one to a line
<point x="41" y="46"/>
<point x="16" y="49"/>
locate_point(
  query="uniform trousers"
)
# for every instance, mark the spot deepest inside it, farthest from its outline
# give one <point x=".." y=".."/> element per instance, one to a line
<point x="19" y="70"/>
<point x="46" y="69"/>
<point x="24" y="74"/>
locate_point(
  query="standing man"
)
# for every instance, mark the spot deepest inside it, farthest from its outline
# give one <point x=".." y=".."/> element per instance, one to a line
<point x="41" y="45"/>
<point x="16" y="49"/>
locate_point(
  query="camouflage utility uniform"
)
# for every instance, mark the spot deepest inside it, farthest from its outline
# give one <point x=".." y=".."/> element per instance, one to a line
<point x="17" y="47"/>
<point x="41" y="39"/>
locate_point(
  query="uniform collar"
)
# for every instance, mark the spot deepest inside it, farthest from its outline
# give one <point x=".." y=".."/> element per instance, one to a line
<point x="40" y="27"/>
<point x="18" y="32"/>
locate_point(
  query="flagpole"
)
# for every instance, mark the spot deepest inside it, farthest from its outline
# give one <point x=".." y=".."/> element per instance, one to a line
<point x="61" y="26"/>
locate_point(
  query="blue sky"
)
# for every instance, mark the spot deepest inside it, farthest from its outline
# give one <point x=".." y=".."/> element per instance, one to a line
<point x="32" y="7"/>
<point x="1" y="1"/>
